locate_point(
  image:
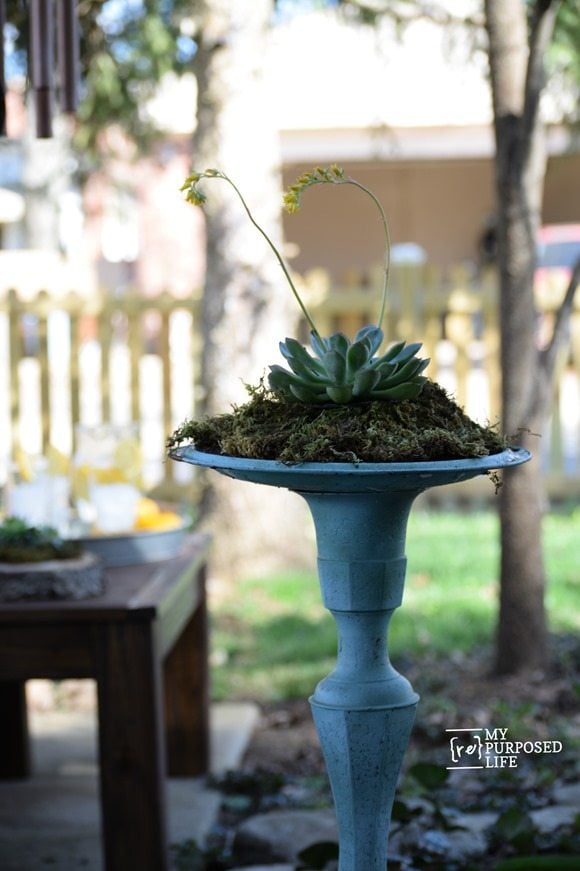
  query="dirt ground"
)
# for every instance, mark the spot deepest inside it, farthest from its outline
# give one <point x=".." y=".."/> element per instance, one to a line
<point x="460" y="692"/>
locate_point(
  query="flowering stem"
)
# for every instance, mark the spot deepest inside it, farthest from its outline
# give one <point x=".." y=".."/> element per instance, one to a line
<point x="277" y="255"/>
<point x="387" y="264"/>
<point x="335" y="175"/>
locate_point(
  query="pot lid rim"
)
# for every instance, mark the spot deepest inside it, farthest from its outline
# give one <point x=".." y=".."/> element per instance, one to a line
<point x="510" y="457"/>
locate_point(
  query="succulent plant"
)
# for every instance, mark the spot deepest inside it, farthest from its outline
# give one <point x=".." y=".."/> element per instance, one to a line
<point x="343" y="371"/>
<point x="21" y="543"/>
<point x="340" y="371"/>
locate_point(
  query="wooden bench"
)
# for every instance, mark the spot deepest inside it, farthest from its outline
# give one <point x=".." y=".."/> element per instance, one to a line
<point x="145" y="643"/>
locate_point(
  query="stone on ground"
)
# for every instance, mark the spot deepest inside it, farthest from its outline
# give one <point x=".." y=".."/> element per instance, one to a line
<point x="547" y="819"/>
<point x="568" y="794"/>
<point x="265" y="868"/>
<point x="280" y="836"/>
<point x="454" y="846"/>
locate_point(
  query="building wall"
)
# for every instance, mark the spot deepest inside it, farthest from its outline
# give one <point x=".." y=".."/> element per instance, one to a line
<point x="562" y="192"/>
<point x="441" y="205"/>
<point x="139" y="230"/>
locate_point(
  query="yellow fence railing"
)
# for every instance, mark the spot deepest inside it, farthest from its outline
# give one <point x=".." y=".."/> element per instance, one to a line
<point x="455" y="315"/>
<point x="72" y="359"/>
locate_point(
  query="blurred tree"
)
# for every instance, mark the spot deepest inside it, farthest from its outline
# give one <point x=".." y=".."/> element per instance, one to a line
<point x="519" y="38"/>
<point x="246" y="303"/>
<point x="127" y="47"/>
<point x="525" y="38"/>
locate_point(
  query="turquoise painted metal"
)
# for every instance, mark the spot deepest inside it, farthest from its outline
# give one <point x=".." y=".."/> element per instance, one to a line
<point x="364" y="710"/>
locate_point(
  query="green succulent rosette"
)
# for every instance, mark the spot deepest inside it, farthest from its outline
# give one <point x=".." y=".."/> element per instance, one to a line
<point x="342" y="371"/>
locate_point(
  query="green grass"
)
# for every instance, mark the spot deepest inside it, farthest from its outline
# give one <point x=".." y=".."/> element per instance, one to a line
<point x="272" y="639"/>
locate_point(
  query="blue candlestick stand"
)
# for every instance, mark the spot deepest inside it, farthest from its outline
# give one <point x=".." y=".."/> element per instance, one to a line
<point x="364" y="710"/>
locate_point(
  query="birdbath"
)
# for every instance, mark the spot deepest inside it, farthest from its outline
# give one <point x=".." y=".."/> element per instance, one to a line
<point x="364" y="710"/>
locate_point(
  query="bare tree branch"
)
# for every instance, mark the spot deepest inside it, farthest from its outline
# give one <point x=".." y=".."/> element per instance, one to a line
<point x="403" y="12"/>
<point x="549" y="354"/>
<point x="542" y="27"/>
<point x="508" y="52"/>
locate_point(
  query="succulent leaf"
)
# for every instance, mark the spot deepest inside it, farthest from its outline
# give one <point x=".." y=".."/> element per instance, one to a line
<point x="356" y="357"/>
<point x="335" y="365"/>
<point x="339" y="342"/>
<point x="306" y="395"/>
<point x="284" y="350"/>
<point x="300" y="361"/>
<point x="301" y="370"/>
<point x="384" y="368"/>
<point x="364" y="381"/>
<point x="373" y="341"/>
<point x="319" y="345"/>
<point x="369" y="330"/>
<point x="393" y="351"/>
<point x="407" y="372"/>
<point x="281" y="379"/>
<point x="402" y="391"/>
<point x="340" y="395"/>
<point x="406" y="352"/>
<point x="293" y="348"/>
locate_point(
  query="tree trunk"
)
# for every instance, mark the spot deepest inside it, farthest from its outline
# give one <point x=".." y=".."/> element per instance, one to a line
<point x="247" y="306"/>
<point x="516" y="78"/>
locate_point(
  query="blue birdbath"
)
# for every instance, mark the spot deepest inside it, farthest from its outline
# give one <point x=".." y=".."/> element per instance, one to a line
<point x="364" y="710"/>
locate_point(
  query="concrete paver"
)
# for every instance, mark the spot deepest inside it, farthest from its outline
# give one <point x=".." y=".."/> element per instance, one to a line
<point x="52" y="819"/>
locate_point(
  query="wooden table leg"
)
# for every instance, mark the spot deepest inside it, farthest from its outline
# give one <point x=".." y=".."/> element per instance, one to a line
<point x="131" y="748"/>
<point x="14" y="739"/>
<point x="186" y="685"/>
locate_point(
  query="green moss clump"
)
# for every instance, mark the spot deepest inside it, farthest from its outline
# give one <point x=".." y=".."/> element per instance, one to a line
<point x="20" y="543"/>
<point x="430" y="427"/>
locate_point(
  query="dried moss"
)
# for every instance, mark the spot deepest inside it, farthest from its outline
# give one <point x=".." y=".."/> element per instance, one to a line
<point x="430" y="427"/>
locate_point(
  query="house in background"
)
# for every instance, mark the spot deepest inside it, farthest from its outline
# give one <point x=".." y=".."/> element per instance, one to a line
<point x="410" y="119"/>
<point x="410" y="115"/>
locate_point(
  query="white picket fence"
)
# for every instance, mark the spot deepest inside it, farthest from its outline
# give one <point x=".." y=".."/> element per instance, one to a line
<point x="68" y="360"/>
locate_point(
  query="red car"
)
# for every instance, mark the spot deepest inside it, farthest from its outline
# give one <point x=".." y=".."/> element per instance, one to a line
<point x="557" y="252"/>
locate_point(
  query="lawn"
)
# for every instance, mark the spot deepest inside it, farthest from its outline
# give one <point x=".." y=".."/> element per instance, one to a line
<point x="272" y="639"/>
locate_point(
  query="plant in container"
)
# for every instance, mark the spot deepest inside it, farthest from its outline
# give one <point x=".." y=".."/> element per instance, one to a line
<point x="36" y="563"/>
<point x="358" y="433"/>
